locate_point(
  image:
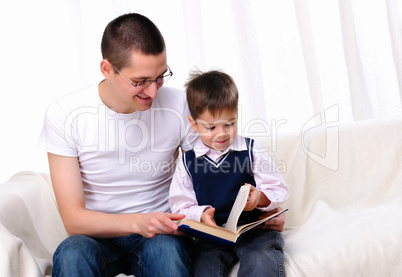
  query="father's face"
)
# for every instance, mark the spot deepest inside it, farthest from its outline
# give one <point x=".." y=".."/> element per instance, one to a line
<point x="129" y="98"/>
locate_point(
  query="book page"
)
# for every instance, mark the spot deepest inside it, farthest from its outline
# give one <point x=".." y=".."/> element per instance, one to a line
<point x="237" y="208"/>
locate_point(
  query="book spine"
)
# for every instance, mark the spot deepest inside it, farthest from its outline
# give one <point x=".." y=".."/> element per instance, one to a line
<point x="204" y="236"/>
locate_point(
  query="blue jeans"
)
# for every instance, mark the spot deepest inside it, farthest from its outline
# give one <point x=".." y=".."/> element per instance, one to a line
<point x="163" y="255"/>
<point x="259" y="251"/>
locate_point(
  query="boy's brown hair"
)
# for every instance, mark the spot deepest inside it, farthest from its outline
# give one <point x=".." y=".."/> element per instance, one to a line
<point x="214" y="91"/>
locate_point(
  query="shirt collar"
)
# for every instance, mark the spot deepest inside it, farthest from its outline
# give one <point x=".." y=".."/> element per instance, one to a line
<point x="238" y="144"/>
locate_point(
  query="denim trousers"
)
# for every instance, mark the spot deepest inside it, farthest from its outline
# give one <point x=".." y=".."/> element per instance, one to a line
<point x="162" y="255"/>
<point x="260" y="253"/>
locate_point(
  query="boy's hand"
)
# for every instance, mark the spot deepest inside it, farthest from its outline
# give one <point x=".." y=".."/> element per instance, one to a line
<point x="254" y="198"/>
<point x="207" y="217"/>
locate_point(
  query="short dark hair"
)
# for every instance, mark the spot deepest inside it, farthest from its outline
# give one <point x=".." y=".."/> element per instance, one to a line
<point x="129" y="33"/>
<point x="214" y="91"/>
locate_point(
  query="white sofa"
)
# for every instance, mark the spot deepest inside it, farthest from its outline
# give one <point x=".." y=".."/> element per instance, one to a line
<point x="344" y="217"/>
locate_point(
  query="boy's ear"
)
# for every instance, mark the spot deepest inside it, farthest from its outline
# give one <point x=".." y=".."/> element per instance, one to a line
<point x="106" y="68"/>
<point x="193" y="123"/>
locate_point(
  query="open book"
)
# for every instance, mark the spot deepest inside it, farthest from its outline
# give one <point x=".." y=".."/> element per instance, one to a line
<point x="231" y="232"/>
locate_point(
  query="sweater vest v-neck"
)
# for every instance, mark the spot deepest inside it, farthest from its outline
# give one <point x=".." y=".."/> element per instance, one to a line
<point x="217" y="183"/>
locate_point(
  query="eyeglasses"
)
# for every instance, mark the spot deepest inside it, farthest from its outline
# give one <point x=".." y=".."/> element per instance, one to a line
<point x="144" y="84"/>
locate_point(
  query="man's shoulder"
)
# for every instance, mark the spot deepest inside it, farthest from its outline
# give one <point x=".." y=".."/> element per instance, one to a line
<point x="87" y="97"/>
<point x="85" y="94"/>
<point x="170" y="97"/>
<point x="171" y="91"/>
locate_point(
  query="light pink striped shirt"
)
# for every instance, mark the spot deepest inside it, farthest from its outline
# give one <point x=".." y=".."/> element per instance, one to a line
<point x="268" y="179"/>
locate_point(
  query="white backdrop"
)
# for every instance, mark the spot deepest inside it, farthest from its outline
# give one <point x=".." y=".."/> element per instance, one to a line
<point x="293" y="61"/>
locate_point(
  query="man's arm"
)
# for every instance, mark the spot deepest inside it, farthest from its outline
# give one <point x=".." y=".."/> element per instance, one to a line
<point x="68" y="188"/>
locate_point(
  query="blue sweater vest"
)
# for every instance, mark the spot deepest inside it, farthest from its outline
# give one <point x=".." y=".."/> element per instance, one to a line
<point x="217" y="183"/>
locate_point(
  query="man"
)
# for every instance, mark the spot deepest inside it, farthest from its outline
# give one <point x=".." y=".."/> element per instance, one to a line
<point x="112" y="150"/>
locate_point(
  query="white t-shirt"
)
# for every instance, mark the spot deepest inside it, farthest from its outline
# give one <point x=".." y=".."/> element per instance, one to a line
<point x="126" y="160"/>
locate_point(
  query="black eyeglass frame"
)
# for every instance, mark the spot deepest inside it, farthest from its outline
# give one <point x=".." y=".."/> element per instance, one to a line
<point x="147" y="83"/>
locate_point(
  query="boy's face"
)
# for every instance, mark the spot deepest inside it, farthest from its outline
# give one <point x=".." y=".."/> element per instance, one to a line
<point x="216" y="132"/>
<point x="123" y="96"/>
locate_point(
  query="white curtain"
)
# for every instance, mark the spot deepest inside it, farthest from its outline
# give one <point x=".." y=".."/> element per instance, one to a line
<point x="296" y="59"/>
<point x="296" y="63"/>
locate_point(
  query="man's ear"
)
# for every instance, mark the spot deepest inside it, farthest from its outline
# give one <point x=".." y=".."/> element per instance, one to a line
<point x="193" y="123"/>
<point x="106" y="68"/>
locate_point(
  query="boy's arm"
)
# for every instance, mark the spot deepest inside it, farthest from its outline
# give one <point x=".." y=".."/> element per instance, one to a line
<point x="68" y="188"/>
<point x="182" y="198"/>
<point x="268" y="179"/>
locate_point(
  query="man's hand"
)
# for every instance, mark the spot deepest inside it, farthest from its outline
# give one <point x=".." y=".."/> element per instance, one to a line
<point x="277" y="223"/>
<point x="157" y="223"/>
<point x="207" y="217"/>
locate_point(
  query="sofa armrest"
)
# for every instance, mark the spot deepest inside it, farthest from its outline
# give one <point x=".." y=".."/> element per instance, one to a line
<point x="30" y="225"/>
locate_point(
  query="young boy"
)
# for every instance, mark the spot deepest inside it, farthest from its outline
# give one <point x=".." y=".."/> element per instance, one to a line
<point x="209" y="176"/>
